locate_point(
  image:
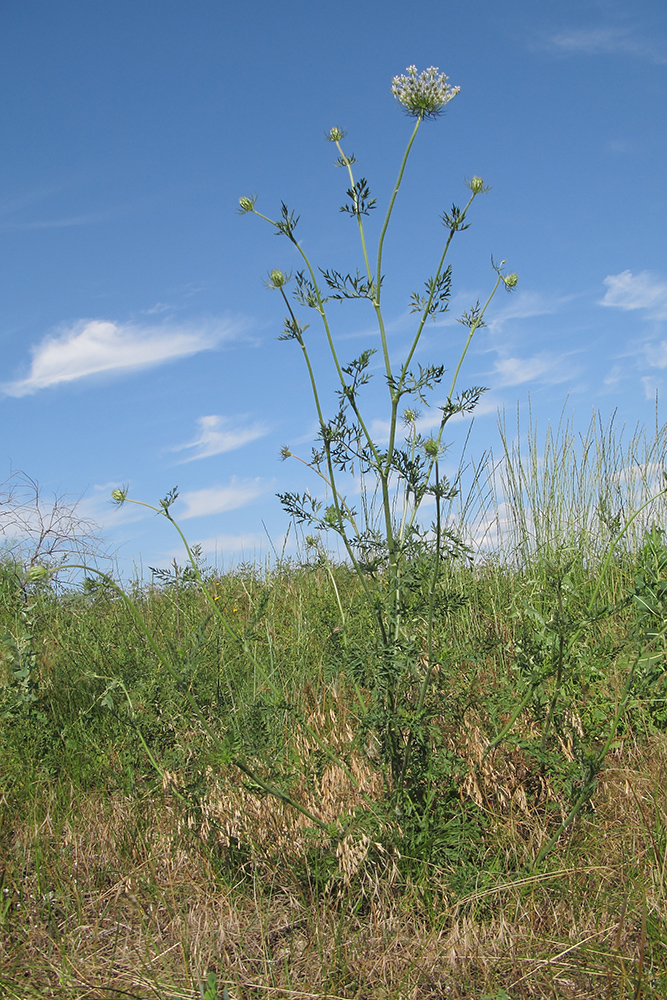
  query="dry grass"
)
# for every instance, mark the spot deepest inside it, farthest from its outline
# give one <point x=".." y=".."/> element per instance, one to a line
<point x="109" y="894"/>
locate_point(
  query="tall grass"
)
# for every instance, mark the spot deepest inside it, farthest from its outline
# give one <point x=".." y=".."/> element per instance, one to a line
<point x="571" y="490"/>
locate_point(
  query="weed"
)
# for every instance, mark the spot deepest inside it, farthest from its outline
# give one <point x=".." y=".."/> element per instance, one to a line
<point x="398" y="560"/>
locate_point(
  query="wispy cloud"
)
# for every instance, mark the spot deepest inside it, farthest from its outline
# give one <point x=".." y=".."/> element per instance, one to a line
<point x="620" y="146"/>
<point x="651" y="385"/>
<point x="490" y="530"/>
<point x="92" y="347"/>
<point x="656" y="354"/>
<point x="606" y="40"/>
<point x="522" y="305"/>
<point x="223" y="544"/>
<point x="642" y="291"/>
<point x="218" y="499"/>
<point x="544" y="367"/>
<point x="61" y="211"/>
<point x="636" y="291"/>
<point x="614" y="377"/>
<point x="85" y="219"/>
<point x="15" y="205"/>
<point x="11" y="204"/>
<point x="99" y="507"/>
<point x="159" y="307"/>
<point x="219" y="434"/>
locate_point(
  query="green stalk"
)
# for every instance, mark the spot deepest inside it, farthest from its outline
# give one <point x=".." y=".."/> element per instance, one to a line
<point x="320" y="301"/>
<point x="474" y="327"/>
<point x="425" y="314"/>
<point x="358" y="217"/>
<point x="339" y="501"/>
<point x="391" y="203"/>
<point x="376" y="298"/>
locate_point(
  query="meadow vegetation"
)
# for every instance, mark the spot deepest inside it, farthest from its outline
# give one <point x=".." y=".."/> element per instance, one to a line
<point x="432" y="767"/>
<point x="530" y="858"/>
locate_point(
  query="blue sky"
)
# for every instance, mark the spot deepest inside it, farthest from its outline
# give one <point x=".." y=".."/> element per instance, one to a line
<point x="138" y="342"/>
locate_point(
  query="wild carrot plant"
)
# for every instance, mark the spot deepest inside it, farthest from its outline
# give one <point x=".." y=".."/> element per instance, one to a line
<point x="398" y="558"/>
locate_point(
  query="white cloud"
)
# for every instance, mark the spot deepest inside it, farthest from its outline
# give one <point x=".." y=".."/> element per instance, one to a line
<point x="649" y="474"/>
<point x="99" y="506"/>
<point x="515" y="371"/>
<point x="614" y="376"/>
<point x="651" y="385"/>
<point x="10" y="204"/>
<point x="620" y="146"/>
<point x="522" y="305"/>
<point x="159" y="307"/>
<point x="218" y="499"/>
<point x="636" y="291"/>
<point x="490" y="530"/>
<point x="219" y="544"/>
<point x="88" y="219"/>
<point x="92" y="347"/>
<point x="656" y="354"/>
<point x="219" y="434"/>
<point x="605" y="40"/>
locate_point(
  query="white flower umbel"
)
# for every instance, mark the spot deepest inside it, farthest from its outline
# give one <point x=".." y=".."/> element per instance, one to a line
<point x="423" y="96"/>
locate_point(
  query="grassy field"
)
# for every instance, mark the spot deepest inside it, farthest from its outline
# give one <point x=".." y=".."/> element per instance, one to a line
<point x="203" y="802"/>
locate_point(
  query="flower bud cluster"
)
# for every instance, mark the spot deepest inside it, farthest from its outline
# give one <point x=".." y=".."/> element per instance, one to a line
<point x="423" y="96"/>
<point x="35" y="573"/>
<point x="277" y="279"/>
<point x="247" y="204"/>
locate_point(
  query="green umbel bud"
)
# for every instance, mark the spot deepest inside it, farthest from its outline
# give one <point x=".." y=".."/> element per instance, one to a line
<point x="432" y="448"/>
<point x="35" y="573"/>
<point x="511" y="281"/>
<point x="119" y="496"/>
<point x="336" y="134"/>
<point x="277" y="279"/>
<point x="476" y="185"/>
<point x="332" y="518"/>
<point x="246" y="205"/>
